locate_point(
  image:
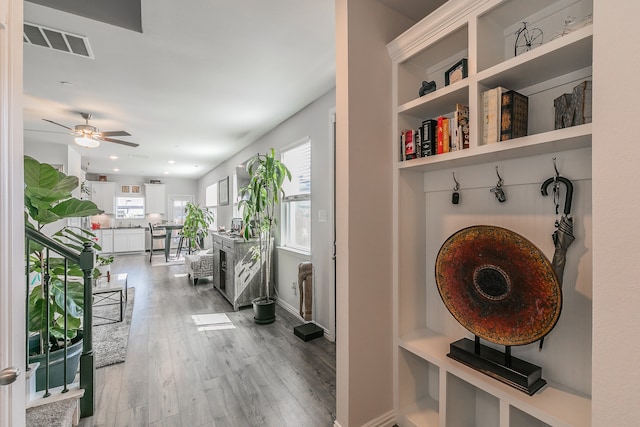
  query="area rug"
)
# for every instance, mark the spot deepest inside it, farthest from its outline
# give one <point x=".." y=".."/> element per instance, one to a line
<point x="110" y="339"/>
<point x="159" y="261"/>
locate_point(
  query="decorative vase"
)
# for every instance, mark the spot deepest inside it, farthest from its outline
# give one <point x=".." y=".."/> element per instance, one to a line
<point x="264" y="310"/>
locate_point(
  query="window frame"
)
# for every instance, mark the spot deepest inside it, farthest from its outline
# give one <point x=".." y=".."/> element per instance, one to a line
<point x="287" y="202"/>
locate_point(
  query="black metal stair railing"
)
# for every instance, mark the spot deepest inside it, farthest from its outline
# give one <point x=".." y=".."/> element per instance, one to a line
<point x="86" y="261"/>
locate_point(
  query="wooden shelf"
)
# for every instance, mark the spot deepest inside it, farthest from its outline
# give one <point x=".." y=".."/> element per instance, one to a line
<point x="569" y="53"/>
<point x="548" y="142"/>
<point x="430" y="388"/>
<point x="554" y="404"/>
<point x="421" y="414"/>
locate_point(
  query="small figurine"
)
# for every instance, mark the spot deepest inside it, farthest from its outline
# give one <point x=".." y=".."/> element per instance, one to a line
<point x="427" y="87"/>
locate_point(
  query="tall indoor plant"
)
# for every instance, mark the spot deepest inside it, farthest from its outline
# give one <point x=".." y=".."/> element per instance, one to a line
<point x="259" y="200"/>
<point x="47" y="199"/>
<point x="196" y="224"/>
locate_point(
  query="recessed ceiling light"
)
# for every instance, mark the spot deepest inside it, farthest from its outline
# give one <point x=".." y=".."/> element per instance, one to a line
<point x="166" y="172"/>
<point x="116" y="170"/>
<point x="171" y="162"/>
<point x="197" y="166"/>
<point x="113" y="157"/>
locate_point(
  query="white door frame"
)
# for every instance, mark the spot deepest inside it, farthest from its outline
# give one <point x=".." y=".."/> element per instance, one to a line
<point x="12" y="277"/>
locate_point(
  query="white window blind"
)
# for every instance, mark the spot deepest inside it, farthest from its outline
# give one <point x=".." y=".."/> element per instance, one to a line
<point x="298" y="160"/>
<point x="296" y="206"/>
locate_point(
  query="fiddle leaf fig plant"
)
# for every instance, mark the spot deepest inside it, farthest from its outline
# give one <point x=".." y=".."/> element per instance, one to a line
<point x="47" y="199"/>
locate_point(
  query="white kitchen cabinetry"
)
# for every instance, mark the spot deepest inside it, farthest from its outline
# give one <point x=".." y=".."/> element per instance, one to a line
<point x="104" y="238"/>
<point x="128" y="239"/>
<point x="103" y="195"/>
<point x="430" y="389"/>
<point x="155" y="198"/>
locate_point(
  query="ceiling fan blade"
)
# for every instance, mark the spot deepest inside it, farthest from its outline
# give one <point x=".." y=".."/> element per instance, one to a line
<point x="117" y="141"/>
<point x="50" y="121"/>
<point x="115" y="133"/>
<point x="49" y="131"/>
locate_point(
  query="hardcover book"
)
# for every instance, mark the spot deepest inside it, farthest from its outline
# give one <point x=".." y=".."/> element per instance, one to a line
<point x="428" y="137"/>
<point x="462" y="126"/>
<point x="409" y="146"/>
<point x="440" y="135"/>
<point x="446" y="135"/>
<point x="491" y="100"/>
<point x="514" y="115"/>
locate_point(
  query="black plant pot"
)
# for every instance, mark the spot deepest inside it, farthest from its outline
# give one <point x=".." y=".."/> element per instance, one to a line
<point x="56" y="362"/>
<point x="264" y="310"/>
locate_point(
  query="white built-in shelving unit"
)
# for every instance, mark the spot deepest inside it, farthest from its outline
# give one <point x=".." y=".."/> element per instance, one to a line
<point x="430" y="388"/>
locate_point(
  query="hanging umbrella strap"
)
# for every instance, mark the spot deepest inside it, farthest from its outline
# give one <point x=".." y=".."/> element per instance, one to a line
<point x="560" y="179"/>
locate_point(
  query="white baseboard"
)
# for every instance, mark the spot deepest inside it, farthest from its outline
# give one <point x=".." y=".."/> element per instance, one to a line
<point x="385" y="420"/>
<point x="296" y="313"/>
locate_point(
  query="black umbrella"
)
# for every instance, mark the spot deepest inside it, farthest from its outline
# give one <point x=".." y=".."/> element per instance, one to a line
<point x="563" y="236"/>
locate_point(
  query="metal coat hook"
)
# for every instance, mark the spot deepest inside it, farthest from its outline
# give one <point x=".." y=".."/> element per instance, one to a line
<point x="455" y="197"/>
<point x="497" y="190"/>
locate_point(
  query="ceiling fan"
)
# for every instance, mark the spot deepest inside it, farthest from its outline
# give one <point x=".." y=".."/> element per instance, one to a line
<point x="90" y="136"/>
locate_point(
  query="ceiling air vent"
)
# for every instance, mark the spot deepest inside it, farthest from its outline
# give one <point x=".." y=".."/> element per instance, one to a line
<point x="57" y="40"/>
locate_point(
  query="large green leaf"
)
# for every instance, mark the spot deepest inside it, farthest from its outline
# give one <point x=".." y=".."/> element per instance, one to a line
<point x="75" y="297"/>
<point x="38" y="174"/>
<point x="73" y="208"/>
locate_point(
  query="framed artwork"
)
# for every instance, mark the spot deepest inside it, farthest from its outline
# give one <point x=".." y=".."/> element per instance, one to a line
<point x="223" y="191"/>
<point x="135" y="189"/>
<point x="124" y="189"/>
<point x="456" y="73"/>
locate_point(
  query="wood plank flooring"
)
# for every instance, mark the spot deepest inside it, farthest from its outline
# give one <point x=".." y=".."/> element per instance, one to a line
<point x="176" y="375"/>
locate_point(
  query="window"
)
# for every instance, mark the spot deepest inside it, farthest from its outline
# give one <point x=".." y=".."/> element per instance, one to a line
<point x="296" y="205"/>
<point x="129" y="207"/>
<point x="179" y="208"/>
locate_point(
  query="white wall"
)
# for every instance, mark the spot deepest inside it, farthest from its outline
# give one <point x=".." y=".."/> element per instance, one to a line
<point x="364" y="216"/>
<point x="312" y="122"/>
<point x="616" y="233"/>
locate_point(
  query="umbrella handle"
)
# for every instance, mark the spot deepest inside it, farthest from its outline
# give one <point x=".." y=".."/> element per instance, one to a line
<point x="567" y="183"/>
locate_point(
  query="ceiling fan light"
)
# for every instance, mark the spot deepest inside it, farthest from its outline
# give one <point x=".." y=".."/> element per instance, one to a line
<point x="83" y="141"/>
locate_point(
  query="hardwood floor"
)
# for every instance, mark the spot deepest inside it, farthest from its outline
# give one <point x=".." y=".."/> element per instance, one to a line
<point x="176" y="375"/>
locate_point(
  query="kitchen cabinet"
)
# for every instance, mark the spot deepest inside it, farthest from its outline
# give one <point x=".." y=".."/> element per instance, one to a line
<point x="235" y="274"/>
<point x="105" y="239"/>
<point x="155" y="198"/>
<point x="129" y="239"/>
<point x="103" y="194"/>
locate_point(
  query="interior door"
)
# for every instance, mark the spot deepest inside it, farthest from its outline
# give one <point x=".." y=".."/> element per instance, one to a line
<point x="12" y="278"/>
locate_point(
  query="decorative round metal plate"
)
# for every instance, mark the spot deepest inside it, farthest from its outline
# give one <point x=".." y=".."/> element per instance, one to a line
<point x="498" y="285"/>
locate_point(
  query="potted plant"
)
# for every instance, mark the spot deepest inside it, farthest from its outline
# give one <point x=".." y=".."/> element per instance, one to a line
<point x="47" y="199"/>
<point x="196" y="225"/>
<point x="259" y="200"/>
<point x="103" y="266"/>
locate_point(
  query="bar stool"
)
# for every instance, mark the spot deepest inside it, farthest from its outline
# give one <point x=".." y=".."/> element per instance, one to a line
<point x="180" y="242"/>
<point x="154" y="237"/>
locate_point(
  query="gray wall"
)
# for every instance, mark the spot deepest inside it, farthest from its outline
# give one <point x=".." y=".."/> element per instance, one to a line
<point x="312" y="121"/>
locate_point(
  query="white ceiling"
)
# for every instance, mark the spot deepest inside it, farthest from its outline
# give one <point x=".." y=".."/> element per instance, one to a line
<point x="202" y="81"/>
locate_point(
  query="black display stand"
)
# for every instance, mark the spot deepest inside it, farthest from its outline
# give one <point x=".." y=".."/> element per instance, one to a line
<point x="308" y="331"/>
<point x="515" y="372"/>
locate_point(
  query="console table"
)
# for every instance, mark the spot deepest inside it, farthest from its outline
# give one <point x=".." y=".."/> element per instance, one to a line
<point x="107" y="293"/>
<point x="235" y="274"/>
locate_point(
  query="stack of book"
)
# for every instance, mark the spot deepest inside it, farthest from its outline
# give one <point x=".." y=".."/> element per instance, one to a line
<point x="440" y="135"/>
<point x="505" y="115"/>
